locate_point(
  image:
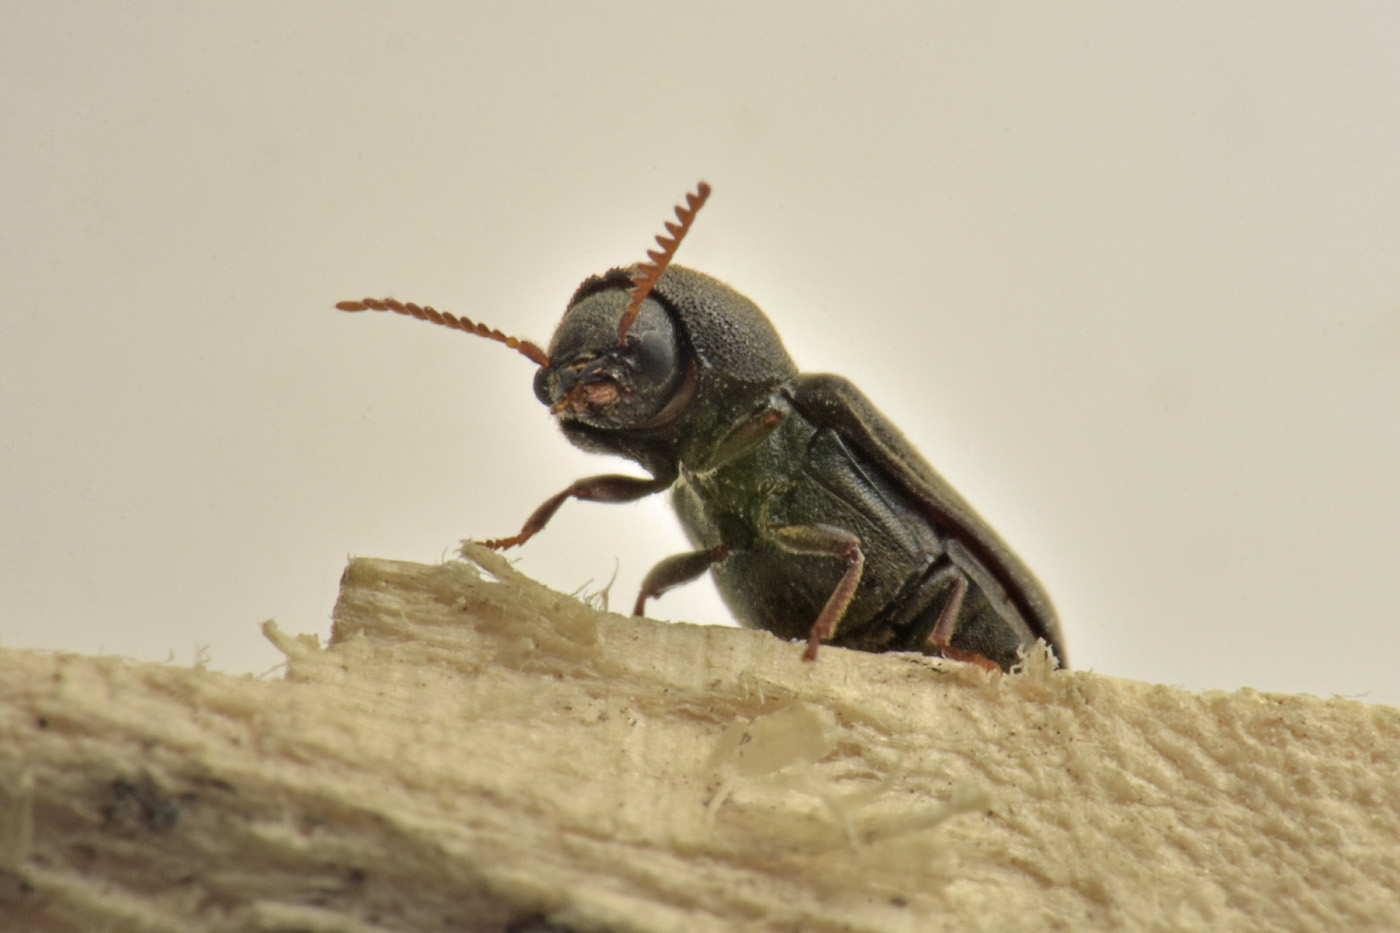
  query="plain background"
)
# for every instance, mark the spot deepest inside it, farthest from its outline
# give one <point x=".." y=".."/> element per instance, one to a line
<point x="1128" y="274"/>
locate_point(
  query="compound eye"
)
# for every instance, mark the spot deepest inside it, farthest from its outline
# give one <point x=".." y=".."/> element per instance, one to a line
<point x="543" y="388"/>
<point x="651" y="363"/>
<point x="656" y="359"/>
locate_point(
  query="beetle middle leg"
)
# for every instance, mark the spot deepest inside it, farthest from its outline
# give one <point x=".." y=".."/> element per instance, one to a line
<point x="825" y="541"/>
<point x="675" y="570"/>
<point x="611" y="487"/>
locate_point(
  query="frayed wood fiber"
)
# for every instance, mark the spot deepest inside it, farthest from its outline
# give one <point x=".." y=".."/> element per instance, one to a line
<point x="473" y="751"/>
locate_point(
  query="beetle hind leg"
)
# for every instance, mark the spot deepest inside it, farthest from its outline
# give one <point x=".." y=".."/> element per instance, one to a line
<point x="940" y="639"/>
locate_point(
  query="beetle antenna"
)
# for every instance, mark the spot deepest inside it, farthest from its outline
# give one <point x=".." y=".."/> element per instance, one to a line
<point x="446" y="319"/>
<point x="649" y="273"/>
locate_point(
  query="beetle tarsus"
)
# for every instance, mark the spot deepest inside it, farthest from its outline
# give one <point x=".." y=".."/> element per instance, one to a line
<point x="939" y="639"/>
<point x="501" y="544"/>
<point x="969" y="657"/>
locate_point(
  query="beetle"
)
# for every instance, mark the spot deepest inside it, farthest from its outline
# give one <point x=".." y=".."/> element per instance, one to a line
<point x="816" y="518"/>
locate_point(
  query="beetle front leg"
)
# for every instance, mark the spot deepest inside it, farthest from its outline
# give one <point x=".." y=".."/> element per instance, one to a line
<point x="825" y="541"/>
<point x="612" y="487"/>
<point x="673" y="571"/>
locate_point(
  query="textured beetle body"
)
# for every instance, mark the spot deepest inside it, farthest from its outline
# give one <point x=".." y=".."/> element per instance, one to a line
<point x="816" y="517"/>
<point x="805" y="474"/>
<point x="759" y="449"/>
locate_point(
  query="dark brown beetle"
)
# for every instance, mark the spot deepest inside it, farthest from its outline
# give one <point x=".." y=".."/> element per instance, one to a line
<point x="816" y="517"/>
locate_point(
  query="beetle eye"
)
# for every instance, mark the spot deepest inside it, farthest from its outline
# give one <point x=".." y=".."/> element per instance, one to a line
<point x="653" y="353"/>
<point x="543" y="385"/>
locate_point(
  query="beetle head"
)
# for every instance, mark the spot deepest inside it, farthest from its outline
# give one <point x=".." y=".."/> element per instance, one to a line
<point x="616" y="361"/>
<point x="594" y="380"/>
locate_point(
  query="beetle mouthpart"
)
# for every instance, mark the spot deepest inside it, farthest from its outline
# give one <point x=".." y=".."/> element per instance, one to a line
<point x="572" y="399"/>
<point x="649" y="273"/>
<point x="565" y="401"/>
<point x="586" y="395"/>
<point x="599" y="394"/>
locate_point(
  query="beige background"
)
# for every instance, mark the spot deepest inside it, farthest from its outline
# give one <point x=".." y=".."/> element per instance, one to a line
<point x="1129" y="276"/>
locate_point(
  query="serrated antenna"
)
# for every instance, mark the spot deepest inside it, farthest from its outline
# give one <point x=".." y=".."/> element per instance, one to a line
<point x="446" y="319"/>
<point x="649" y="273"/>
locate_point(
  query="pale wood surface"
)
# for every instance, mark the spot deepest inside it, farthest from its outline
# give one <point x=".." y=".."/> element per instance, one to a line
<point x="472" y="750"/>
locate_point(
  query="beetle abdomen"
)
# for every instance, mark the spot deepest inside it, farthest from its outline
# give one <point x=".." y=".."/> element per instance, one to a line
<point x="803" y="475"/>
